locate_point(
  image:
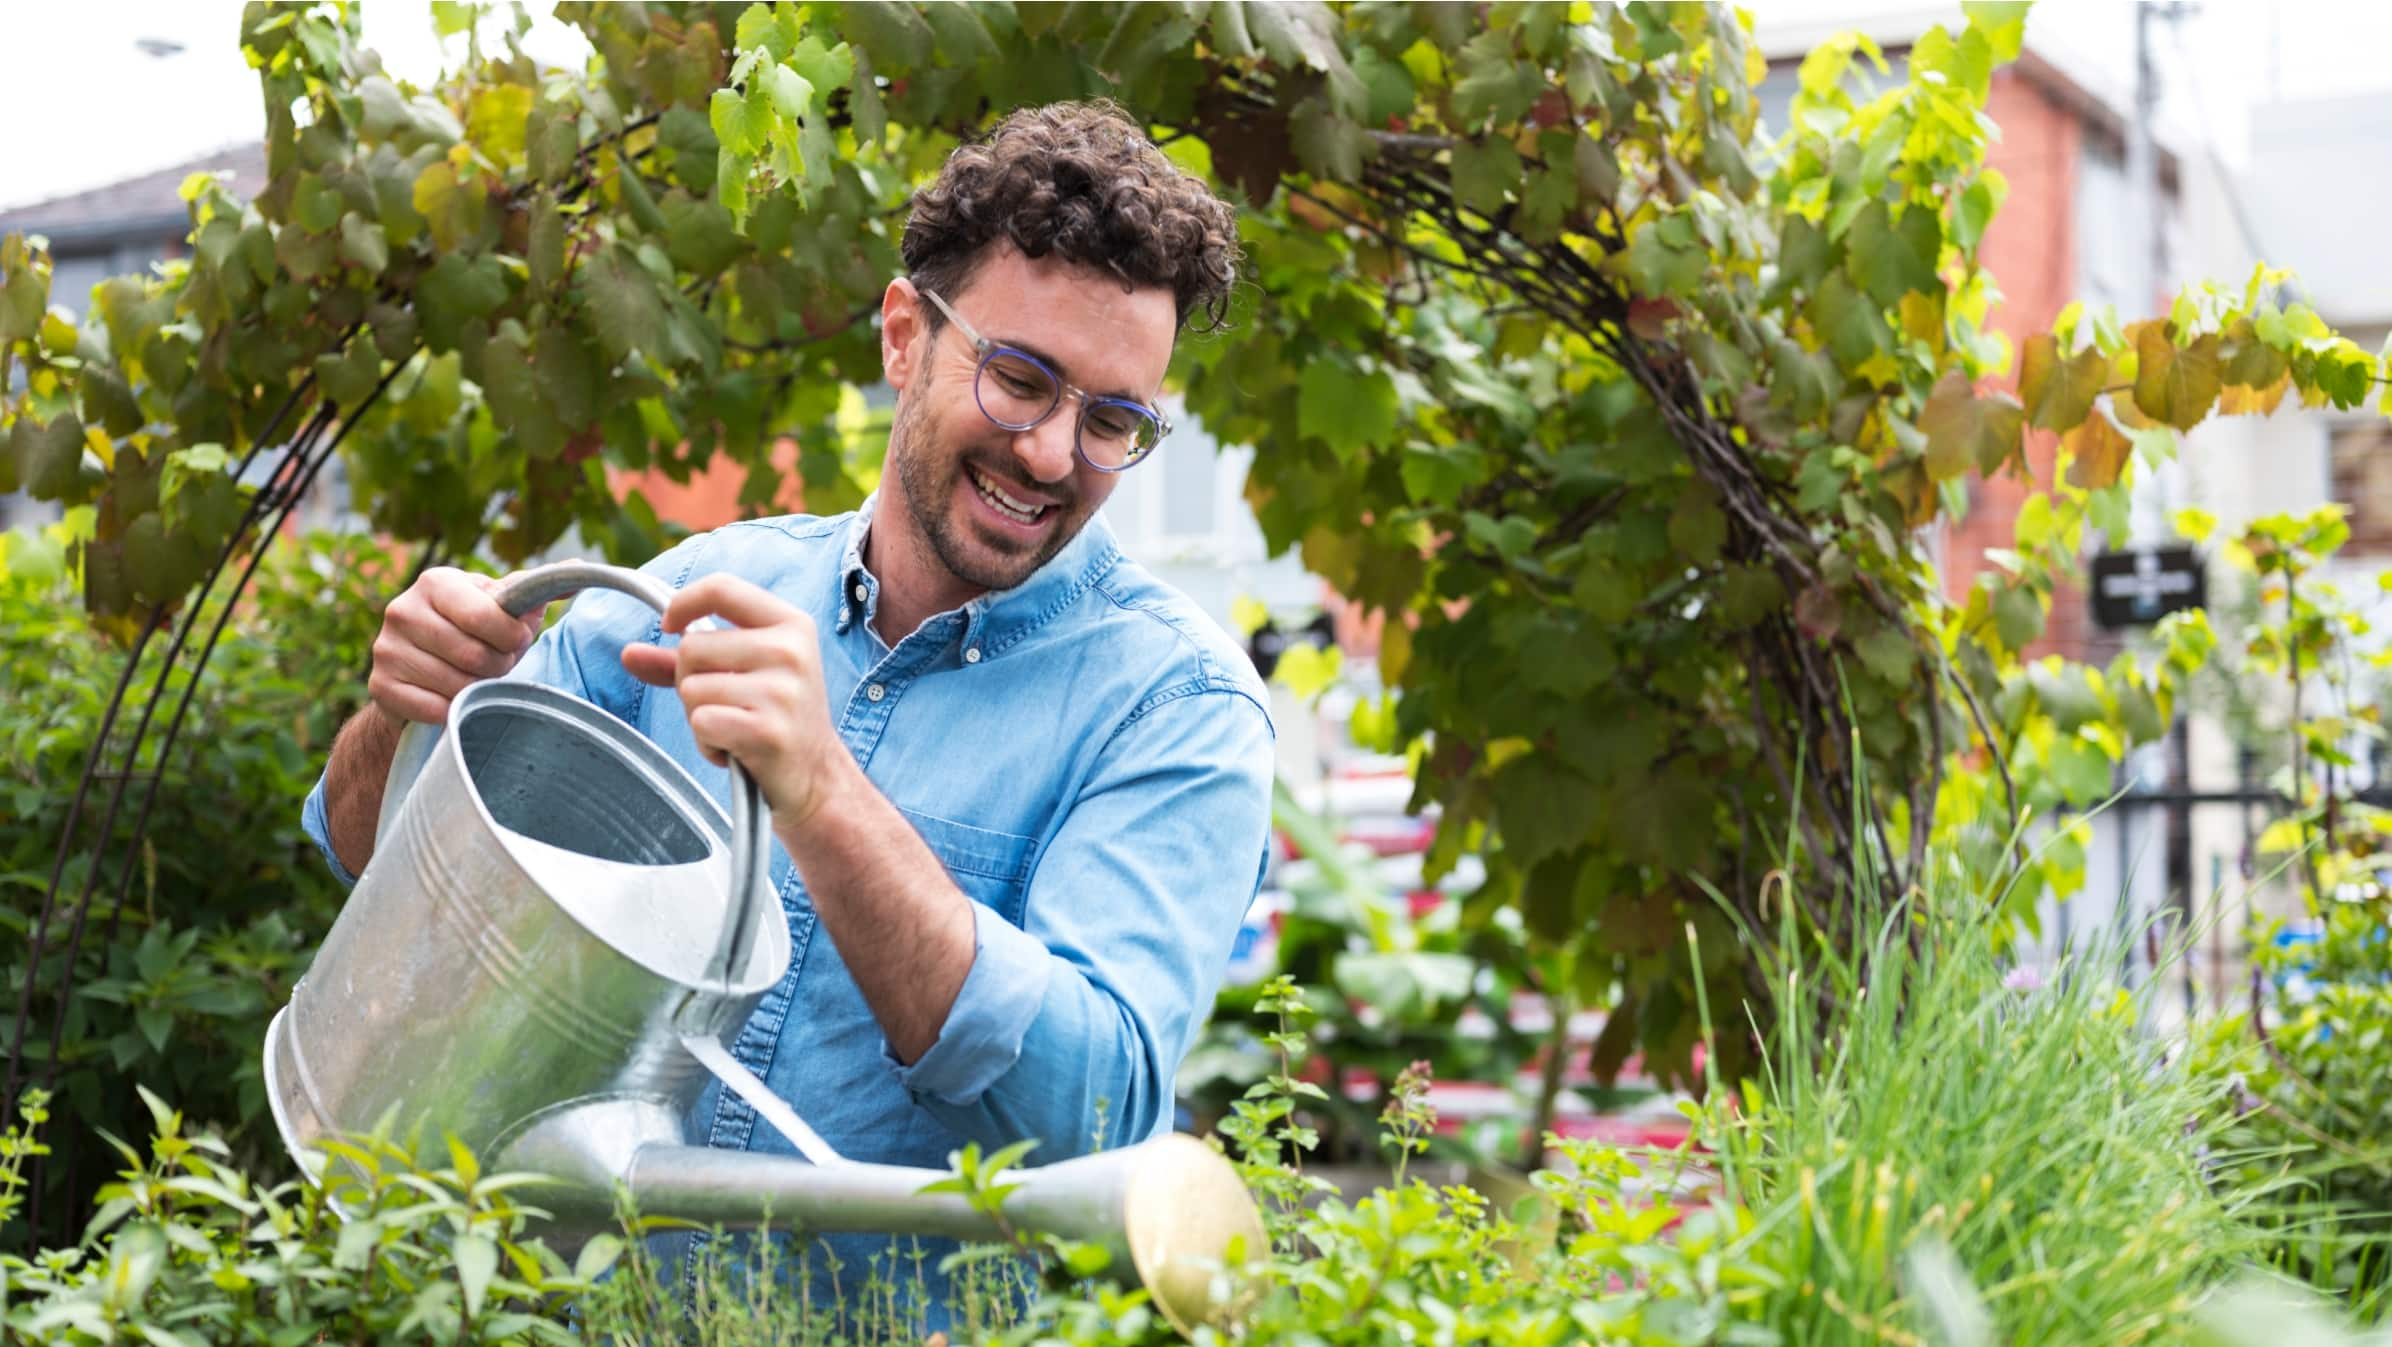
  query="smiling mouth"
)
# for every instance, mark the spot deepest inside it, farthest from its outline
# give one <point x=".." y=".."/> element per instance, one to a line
<point x="1007" y="505"/>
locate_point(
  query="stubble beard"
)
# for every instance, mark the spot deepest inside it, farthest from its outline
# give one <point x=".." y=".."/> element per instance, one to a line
<point x="931" y="480"/>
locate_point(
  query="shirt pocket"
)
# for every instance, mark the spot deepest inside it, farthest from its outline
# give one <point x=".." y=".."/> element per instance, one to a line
<point x="992" y="868"/>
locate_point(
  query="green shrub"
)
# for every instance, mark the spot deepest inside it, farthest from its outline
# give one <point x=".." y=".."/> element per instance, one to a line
<point x="2310" y="1114"/>
<point x="225" y="899"/>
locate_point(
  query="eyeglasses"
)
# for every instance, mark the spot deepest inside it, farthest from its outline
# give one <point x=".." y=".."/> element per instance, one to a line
<point x="1016" y="391"/>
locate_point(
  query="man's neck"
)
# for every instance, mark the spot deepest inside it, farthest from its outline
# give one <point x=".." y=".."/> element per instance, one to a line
<point x="914" y="584"/>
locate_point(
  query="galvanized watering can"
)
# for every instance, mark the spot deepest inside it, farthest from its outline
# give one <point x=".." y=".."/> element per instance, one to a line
<point x="556" y="931"/>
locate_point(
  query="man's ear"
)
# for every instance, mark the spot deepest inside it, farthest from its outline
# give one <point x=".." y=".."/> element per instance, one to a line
<point x="901" y="333"/>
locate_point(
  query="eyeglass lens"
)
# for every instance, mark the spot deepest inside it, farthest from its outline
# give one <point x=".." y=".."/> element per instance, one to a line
<point x="1018" y="392"/>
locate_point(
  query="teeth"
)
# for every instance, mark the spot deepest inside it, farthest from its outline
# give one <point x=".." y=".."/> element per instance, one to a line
<point x="1014" y="509"/>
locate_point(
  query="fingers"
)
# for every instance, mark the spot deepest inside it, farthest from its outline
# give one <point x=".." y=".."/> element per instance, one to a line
<point x="741" y="603"/>
<point x="444" y="633"/>
<point x="651" y="664"/>
<point x="469" y="604"/>
<point x="789" y="646"/>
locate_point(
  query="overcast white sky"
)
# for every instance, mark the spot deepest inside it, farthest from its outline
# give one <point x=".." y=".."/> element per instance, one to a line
<point x="82" y="105"/>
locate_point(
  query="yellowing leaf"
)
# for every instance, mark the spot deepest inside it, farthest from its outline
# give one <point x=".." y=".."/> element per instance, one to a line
<point x="1922" y="313"/>
<point x="2175" y="385"/>
<point x="1247" y="614"/>
<point x="1307" y="670"/>
<point x="2237" y="400"/>
<point x="1964" y="429"/>
<point x="496" y="118"/>
<point x="2058" y="390"/>
<point x="1395" y="648"/>
<point x="2097" y="452"/>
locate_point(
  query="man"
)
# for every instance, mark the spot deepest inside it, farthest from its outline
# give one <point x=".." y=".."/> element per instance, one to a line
<point x="1025" y="786"/>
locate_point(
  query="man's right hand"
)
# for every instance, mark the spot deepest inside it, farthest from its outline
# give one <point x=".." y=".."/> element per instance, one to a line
<point x="444" y="634"/>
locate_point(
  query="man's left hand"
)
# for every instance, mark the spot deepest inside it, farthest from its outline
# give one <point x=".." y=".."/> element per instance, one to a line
<point x="752" y="691"/>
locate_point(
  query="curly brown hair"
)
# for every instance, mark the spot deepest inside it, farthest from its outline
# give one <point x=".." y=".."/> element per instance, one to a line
<point x="1078" y="181"/>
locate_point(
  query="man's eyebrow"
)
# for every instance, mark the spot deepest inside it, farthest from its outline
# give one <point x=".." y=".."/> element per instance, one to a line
<point x="1060" y="372"/>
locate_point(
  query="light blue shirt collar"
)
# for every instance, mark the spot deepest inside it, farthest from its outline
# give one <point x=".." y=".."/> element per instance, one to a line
<point x="995" y="621"/>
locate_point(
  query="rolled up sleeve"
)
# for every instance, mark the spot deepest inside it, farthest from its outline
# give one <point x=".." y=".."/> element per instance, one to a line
<point x="1085" y="1011"/>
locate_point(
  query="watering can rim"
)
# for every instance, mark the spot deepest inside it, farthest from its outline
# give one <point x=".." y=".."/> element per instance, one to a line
<point x="766" y="963"/>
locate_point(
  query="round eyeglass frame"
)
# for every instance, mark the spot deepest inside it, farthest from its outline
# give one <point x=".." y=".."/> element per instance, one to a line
<point x="984" y="351"/>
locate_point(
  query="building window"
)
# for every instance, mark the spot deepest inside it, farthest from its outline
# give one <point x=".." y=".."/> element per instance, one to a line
<point x="2360" y="455"/>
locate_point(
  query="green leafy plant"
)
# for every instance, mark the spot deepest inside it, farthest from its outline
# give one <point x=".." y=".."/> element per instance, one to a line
<point x="192" y="945"/>
<point x="1973" y="1152"/>
<point x="2310" y="1065"/>
<point x="185" y="1248"/>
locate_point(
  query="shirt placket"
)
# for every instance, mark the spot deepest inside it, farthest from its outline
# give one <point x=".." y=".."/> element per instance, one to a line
<point x="864" y="719"/>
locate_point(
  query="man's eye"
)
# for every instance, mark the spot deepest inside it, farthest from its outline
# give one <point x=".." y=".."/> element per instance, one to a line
<point x="1112" y="423"/>
<point x="1018" y="380"/>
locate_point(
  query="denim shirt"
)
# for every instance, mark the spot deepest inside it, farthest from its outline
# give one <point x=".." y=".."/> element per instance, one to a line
<point x="1090" y="758"/>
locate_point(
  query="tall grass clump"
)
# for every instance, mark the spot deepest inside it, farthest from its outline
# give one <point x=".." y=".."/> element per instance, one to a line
<point x="1948" y="1148"/>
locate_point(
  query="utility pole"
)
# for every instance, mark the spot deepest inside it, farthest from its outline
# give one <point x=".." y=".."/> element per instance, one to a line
<point x="2146" y="291"/>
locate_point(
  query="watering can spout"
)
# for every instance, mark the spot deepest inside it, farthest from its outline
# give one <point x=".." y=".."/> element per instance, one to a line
<point x="1171" y="1212"/>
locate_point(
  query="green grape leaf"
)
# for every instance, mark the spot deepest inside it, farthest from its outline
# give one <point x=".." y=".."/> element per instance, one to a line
<point x="1484" y="173"/>
<point x="792" y="94"/>
<point x="550" y="142"/>
<point x="1548" y="200"/>
<point x="455" y="291"/>
<point x="1347" y="409"/>
<point x="1891" y="258"/>
<point x="1804" y="254"/>
<point x="544" y="251"/>
<point x="699" y="236"/>
<point x="515" y="399"/>
<point x="1496" y="86"/>
<point x="740" y="125"/>
<point x="2017" y="616"/>
<point x="2080" y="769"/>
<point x="1978" y="205"/>
<point x="568" y="374"/>
<point x="2246" y="361"/>
<point x="759" y="26"/>
<point x="107" y="400"/>
<point x="1438" y="475"/>
<point x="364" y="245"/>
<point x="870" y="118"/>
<point x="349" y="377"/>
<point x="898" y="36"/>
<point x="1665" y="258"/>
<point x="824" y="68"/>
<point x="1327" y="145"/>
<point x="625" y="309"/>
<point x="1542" y="807"/>
<point x="686" y="132"/>
<point x="49" y="455"/>
<point x="1302" y="34"/>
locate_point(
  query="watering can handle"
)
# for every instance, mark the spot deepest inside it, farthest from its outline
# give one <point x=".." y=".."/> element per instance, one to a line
<point x="751" y="842"/>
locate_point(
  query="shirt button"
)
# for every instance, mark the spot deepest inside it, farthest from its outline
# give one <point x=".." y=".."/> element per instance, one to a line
<point x="876" y="692"/>
<point x="972" y="656"/>
<point x="859" y="591"/>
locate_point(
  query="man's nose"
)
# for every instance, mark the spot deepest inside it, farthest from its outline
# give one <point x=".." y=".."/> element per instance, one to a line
<point x="1046" y="450"/>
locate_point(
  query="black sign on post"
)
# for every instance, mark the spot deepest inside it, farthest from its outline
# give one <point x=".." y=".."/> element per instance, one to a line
<point x="2135" y="586"/>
